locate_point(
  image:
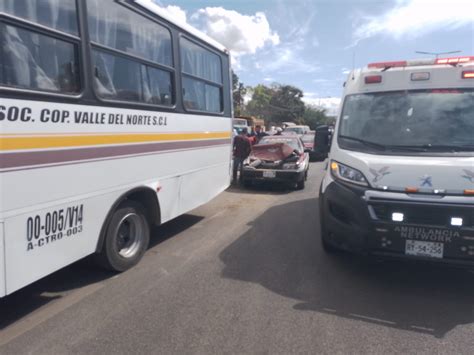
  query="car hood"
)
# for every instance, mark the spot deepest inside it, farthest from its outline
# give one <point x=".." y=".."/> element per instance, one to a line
<point x="271" y="152"/>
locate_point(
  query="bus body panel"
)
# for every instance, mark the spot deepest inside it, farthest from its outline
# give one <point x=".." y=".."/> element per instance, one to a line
<point x="29" y="258"/>
<point x="200" y="186"/>
<point x="2" y="263"/>
<point x="184" y="133"/>
<point x="188" y="159"/>
<point x="200" y="179"/>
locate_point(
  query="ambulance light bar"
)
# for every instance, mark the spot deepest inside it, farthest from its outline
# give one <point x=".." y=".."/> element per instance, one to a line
<point x="418" y="62"/>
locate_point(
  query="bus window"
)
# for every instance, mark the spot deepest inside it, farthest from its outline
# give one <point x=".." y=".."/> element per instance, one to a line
<point x="159" y="86"/>
<point x="119" y="72"/>
<point x="38" y="62"/>
<point x="113" y="25"/>
<point x="202" y="78"/>
<point x="117" y="77"/>
<point x="124" y="79"/>
<point x="58" y="15"/>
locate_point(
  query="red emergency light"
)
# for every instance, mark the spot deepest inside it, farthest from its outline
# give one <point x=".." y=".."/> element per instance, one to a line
<point x="468" y="74"/>
<point x="381" y="65"/>
<point x="454" y="60"/>
<point x="419" y="62"/>
<point x="373" y="79"/>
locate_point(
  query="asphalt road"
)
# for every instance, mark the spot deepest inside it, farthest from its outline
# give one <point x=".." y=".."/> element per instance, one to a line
<point x="245" y="274"/>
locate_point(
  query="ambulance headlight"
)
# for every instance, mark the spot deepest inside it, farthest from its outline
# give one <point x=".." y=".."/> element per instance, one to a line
<point x="346" y="173"/>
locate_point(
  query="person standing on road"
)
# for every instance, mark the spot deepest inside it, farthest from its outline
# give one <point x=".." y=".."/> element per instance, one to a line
<point x="241" y="151"/>
<point x="259" y="133"/>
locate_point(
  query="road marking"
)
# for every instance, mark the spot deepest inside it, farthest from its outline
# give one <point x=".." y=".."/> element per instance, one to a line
<point x="372" y="319"/>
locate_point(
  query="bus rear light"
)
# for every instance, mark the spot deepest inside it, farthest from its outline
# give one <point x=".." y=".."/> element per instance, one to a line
<point x="468" y="74"/>
<point x="411" y="190"/>
<point x="373" y="79"/>
<point x="469" y="192"/>
<point x="420" y="76"/>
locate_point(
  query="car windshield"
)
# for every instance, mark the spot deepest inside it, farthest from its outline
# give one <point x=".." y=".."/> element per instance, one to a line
<point x="308" y="138"/>
<point x="239" y="129"/>
<point x="239" y="122"/>
<point x="438" y="119"/>
<point x="297" y="130"/>
<point x="292" y="142"/>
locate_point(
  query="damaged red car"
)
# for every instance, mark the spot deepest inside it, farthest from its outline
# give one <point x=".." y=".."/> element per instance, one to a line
<point x="277" y="159"/>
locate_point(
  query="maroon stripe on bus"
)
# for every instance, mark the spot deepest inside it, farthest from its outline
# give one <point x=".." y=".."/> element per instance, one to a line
<point x="60" y="157"/>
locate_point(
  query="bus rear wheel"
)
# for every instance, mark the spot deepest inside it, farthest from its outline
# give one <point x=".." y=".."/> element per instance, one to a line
<point x="126" y="239"/>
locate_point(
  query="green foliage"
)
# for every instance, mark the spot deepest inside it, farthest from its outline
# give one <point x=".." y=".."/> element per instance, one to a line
<point x="314" y="117"/>
<point x="287" y="104"/>
<point x="259" y="105"/>
<point x="276" y="104"/>
<point x="238" y="93"/>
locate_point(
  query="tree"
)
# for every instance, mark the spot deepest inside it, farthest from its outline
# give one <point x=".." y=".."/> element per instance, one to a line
<point x="259" y="105"/>
<point x="238" y="94"/>
<point x="287" y="104"/>
<point x="314" y="117"/>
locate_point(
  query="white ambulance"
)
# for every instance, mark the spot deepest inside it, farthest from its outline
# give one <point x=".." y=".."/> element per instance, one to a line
<point x="400" y="176"/>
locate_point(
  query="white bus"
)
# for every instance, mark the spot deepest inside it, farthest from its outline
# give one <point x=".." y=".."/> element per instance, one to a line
<point x="113" y="119"/>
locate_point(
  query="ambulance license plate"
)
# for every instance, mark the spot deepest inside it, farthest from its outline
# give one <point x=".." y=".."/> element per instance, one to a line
<point x="426" y="249"/>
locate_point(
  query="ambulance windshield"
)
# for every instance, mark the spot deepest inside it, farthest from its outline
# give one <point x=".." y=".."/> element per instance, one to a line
<point x="434" y="120"/>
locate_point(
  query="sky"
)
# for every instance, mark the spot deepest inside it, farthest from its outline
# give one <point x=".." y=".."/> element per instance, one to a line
<point x="313" y="44"/>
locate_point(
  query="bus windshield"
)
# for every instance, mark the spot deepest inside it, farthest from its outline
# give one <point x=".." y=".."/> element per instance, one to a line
<point x="440" y="120"/>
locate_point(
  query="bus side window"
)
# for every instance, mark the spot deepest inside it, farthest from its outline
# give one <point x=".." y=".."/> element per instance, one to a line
<point x="202" y="78"/>
<point x="42" y="60"/>
<point x="38" y="62"/>
<point x="137" y="66"/>
<point x="58" y="15"/>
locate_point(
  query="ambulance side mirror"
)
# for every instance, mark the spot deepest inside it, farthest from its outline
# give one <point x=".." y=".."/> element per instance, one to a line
<point x="322" y="142"/>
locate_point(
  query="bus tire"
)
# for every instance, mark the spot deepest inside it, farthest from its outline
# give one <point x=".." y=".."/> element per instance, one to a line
<point x="126" y="239"/>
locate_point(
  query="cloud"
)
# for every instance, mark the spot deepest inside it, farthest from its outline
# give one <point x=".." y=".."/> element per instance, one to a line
<point x="177" y="13"/>
<point x="330" y="104"/>
<point x="288" y="59"/>
<point x="242" y="34"/>
<point x="414" y="18"/>
<point x="321" y="81"/>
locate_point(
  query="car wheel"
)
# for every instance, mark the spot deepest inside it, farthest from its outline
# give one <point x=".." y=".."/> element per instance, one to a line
<point x="246" y="183"/>
<point x="127" y="238"/>
<point x="300" y="184"/>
